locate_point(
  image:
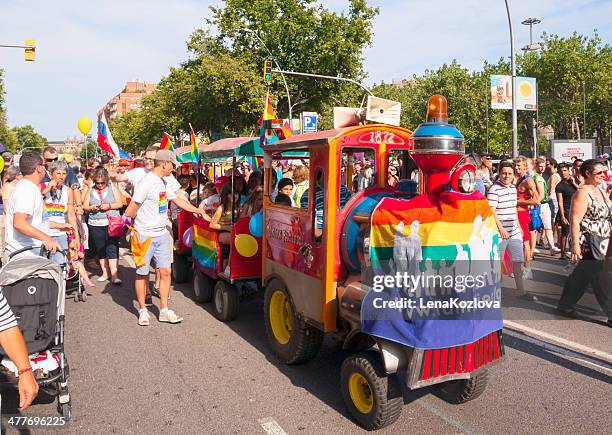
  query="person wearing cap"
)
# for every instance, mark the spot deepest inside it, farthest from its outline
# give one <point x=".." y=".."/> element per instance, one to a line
<point x="151" y="239"/>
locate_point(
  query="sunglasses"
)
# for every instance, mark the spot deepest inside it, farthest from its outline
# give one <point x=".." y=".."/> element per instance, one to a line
<point x="99" y="183"/>
<point x="51" y="160"/>
<point x="598" y="173"/>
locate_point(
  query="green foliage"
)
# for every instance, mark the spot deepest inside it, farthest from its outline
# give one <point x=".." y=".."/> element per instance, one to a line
<point x="28" y="138"/>
<point x="7" y="137"/>
<point x="89" y="150"/>
<point x="567" y="69"/>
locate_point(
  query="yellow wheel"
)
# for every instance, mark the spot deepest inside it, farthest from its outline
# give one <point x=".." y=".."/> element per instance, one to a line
<point x="292" y="340"/>
<point x="361" y="393"/>
<point x="281" y="317"/>
<point x="372" y="397"/>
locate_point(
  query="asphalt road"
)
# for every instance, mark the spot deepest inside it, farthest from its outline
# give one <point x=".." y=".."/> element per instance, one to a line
<point x="204" y="376"/>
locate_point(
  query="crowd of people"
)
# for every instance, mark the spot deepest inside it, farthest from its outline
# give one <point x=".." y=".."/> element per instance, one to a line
<point x="565" y="209"/>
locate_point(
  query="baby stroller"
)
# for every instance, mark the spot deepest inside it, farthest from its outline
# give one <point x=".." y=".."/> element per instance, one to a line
<point x="35" y="289"/>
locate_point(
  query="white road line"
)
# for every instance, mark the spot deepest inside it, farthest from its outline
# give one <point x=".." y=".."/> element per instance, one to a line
<point x="271" y="427"/>
<point x="558" y="341"/>
<point x="463" y="428"/>
<point x="557" y="349"/>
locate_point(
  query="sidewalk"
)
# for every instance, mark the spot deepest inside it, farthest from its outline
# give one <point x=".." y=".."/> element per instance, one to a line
<point x="540" y="319"/>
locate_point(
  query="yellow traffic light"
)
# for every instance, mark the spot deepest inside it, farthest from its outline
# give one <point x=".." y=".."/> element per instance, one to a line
<point x="30" y="51"/>
<point x="267" y="72"/>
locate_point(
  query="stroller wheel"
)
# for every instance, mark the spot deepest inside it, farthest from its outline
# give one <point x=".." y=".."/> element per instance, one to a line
<point x="76" y="296"/>
<point x="66" y="410"/>
<point x="84" y="297"/>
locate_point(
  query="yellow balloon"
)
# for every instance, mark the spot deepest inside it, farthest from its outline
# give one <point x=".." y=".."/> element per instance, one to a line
<point x="246" y="245"/>
<point x="84" y="125"/>
<point x="1" y="164"/>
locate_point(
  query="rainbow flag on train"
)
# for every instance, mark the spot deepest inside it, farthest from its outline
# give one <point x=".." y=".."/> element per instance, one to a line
<point x="204" y="245"/>
<point x="432" y="259"/>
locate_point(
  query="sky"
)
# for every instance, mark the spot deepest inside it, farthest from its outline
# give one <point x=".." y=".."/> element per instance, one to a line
<point x="87" y="50"/>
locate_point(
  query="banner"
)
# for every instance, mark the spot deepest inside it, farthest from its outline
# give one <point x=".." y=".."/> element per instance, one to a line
<point x="564" y="150"/>
<point x="501" y="93"/>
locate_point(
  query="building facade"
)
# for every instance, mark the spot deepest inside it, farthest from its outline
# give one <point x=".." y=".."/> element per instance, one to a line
<point x="71" y="146"/>
<point x="130" y="98"/>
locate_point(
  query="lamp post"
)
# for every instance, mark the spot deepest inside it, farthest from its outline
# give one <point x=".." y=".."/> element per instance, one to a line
<point x="513" y="68"/>
<point x="528" y="48"/>
<point x="263" y="44"/>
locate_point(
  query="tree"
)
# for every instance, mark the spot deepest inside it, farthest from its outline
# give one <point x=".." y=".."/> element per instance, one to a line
<point x="28" y="138"/>
<point x="89" y="149"/>
<point x="303" y="36"/>
<point x="7" y="137"/>
<point x="568" y="70"/>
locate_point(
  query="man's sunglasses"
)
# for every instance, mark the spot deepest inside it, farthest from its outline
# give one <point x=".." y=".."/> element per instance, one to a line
<point x="598" y="173"/>
<point x="51" y="160"/>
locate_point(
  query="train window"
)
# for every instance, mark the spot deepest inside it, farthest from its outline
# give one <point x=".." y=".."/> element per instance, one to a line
<point x="290" y="178"/>
<point x="400" y="166"/>
<point x="318" y="213"/>
<point x="357" y="172"/>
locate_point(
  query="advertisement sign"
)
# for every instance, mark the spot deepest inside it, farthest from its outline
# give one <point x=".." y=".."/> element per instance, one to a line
<point x="501" y="93"/>
<point x="564" y="149"/>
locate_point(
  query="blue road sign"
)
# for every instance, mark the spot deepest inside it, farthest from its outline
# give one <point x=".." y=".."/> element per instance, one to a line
<point x="309" y="122"/>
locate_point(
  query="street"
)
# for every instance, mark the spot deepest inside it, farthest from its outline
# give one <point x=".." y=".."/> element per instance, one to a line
<point x="204" y="376"/>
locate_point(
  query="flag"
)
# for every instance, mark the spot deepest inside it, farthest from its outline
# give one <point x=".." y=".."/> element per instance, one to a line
<point x="166" y="143"/>
<point x="194" y="145"/>
<point x="106" y="141"/>
<point x="267" y="123"/>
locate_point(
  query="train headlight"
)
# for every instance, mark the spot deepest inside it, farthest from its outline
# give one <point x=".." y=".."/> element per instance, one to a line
<point x="467" y="181"/>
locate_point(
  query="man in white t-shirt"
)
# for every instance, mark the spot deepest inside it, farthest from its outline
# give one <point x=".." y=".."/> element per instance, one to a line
<point x="149" y="207"/>
<point x="26" y="223"/>
<point x="134" y="177"/>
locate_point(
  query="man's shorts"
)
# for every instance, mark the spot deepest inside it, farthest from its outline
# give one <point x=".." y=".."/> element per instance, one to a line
<point x="515" y="249"/>
<point x="160" y="251"/>
<point x="546" y="215"/>
<point x="58" y="257"/>
<point x="524" y="217"/>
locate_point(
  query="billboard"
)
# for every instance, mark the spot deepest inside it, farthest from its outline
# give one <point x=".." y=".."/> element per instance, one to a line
<point x="501" y="93"/>
<point x="564" y="149"/>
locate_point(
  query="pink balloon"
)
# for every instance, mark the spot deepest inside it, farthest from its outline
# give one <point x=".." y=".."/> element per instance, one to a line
<point x="187" y="237"/>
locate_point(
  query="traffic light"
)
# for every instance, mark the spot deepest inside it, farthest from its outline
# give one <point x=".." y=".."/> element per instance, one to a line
<point x="30" y="51"/>
<point x="267" y="71"/>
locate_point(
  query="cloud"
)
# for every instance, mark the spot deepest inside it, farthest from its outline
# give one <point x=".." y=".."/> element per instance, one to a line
<point x="88" y="50"/>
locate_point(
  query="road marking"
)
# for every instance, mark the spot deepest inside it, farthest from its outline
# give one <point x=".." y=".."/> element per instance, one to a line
<point x="271" y="426"/>
<point x="553" y="340"/>
<point x="569" y="353"/>
<point x="460" y="426"/>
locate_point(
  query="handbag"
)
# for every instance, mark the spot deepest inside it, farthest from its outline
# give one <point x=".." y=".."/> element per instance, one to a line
<point x="597" y="245"/>
<point x="115" y="223"/>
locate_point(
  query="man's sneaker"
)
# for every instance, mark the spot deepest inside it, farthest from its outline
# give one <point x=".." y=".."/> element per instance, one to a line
<point x="148" y="300"/>
<point x="143" y="318"/>
<point x="169" y="316"/>
<point x="554" y="250"/>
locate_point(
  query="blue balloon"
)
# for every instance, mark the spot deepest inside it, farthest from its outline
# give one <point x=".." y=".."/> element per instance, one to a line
<point x="256" y="224"/>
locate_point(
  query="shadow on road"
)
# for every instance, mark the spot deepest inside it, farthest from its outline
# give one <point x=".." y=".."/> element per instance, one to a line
<point x="550" y="356"/>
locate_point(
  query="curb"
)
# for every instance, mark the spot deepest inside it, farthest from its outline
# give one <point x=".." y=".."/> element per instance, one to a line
<point x="558" y="341"/>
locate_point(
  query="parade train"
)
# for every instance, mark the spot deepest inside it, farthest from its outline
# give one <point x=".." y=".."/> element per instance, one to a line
<point x="320" y="264"/>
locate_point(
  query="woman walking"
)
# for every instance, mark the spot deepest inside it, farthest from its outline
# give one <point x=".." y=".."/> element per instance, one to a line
<point x="591" y="227"/>
<point x="102" y="201"/>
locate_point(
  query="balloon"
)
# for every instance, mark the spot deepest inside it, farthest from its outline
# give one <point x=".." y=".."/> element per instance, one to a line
<point x="1" y="164"/>
<point x="188" y="237"/>
<point x="256" y="224"/>
<point x="84" y="125"/>
<point x="246" y="245"/>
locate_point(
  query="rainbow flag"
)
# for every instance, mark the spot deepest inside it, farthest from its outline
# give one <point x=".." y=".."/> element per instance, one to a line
<point x="166" y="143"/>
<point x="448" y="248"/>
<point x="194" y="144"/>
<point x="204" y="246"/>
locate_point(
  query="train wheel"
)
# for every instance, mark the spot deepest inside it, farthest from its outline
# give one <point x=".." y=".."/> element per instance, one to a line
<point x="202" y="286"/>
<point x="374" y="398"/>
<point x="463" y="390"/>
<point x="226" y="301"/>
<point x="180" y="268"/>
<point x="292" y="340"/>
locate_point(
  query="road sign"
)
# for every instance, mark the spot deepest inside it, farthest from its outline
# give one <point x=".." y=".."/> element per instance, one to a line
<point x="309" y="122"/>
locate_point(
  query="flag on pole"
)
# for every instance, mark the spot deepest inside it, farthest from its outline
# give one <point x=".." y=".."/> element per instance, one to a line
<point x="272" y="128"/>
<point x="106" y="141"/>
<point x="194" y="145"/>
<point x="166" y="143"/>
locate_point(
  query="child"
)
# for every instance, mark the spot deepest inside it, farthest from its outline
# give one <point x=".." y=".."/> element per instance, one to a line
<point x="76" y="253"/>
<point x="211" y="200"/>
<point x="285" y="186"/>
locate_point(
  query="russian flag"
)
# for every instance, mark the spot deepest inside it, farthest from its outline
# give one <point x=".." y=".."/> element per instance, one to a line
<point x="106" y="141"/>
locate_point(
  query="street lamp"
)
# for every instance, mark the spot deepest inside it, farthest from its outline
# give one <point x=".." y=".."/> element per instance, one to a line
<point x="531" y="22"/>
<point x="513" y="68"/>
<point x="252" y="32"/>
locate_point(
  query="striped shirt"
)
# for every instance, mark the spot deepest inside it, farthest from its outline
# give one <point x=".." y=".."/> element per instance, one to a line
<point x="503" y="199"/>
<point x="7" y="319"/>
